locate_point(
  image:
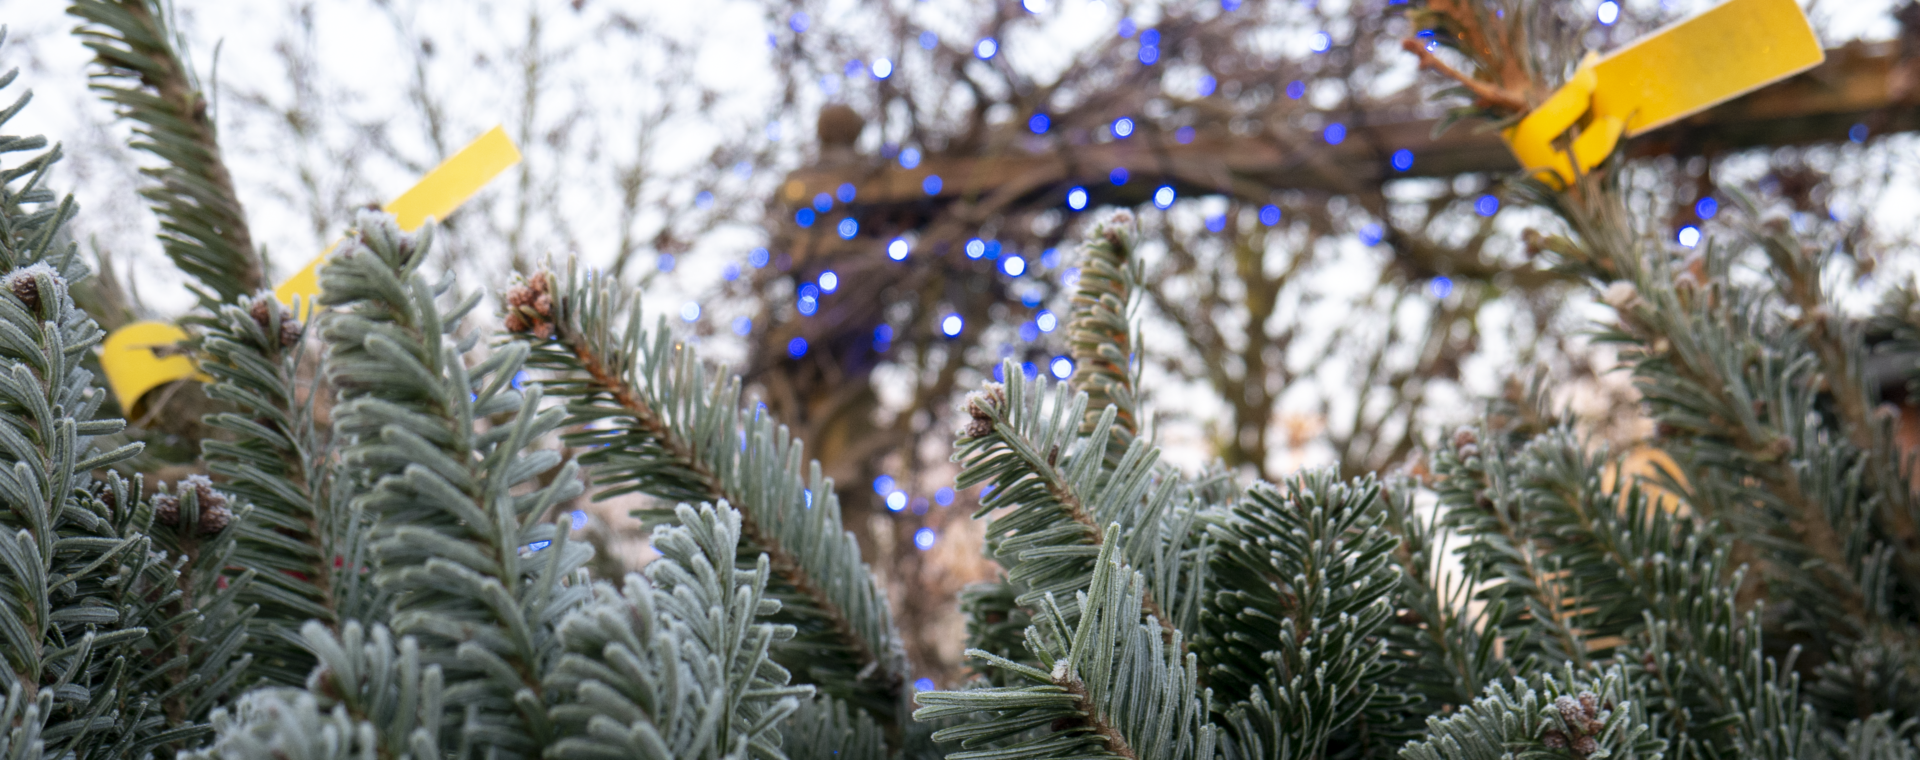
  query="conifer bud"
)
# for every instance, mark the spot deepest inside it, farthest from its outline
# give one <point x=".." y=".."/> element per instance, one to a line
<point x="215" y="514"/>
<point x="290" y="328"/>
<point x="34" y="285"/>
<point x="530" y="307"/>
<point x="980" y="406"/>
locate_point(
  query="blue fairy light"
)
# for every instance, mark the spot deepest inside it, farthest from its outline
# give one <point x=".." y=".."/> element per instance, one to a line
<point x="976" y="248"/>
<point x="703" y="200"/>
<point x="924" y="539"/>
<point x="1269" y="215"/>
<point x="1149" y="54"/>
<point x="797" y="347"/>
<point x="1046" y="321"/>
<point x="730" y="272"/>
<point x="1127" y="27"/>
<point x="1486" y="205"/>
<point x="1217" y="223"/>
<point x="909" y="158"/>
<point x="992" y="250"/>
<point x="883" y="485"/>
<point x="943" y="496"/>
<point x="1150" y="37"/>
<point x="924" y="684"/>
<point x="1402" y="159"/>
<point x="1857" y="133"/>
<point x="1050" y="258"/>
<point x="1321" y="42"/>
<point x="1163" y="197"/>
<point x="1371" y="234"/>
<point x="931" y="184"/>
<point x="848" y="228"/>
<point x="690" y="311"/>
<point x="928" y="40"/>
<point x="882" y="338"/>
<point x="1029" y="332"/>
<point x="845" y="192"/>
<point x="1031" y="296"/>
<point x="803" y="217"/>
<point x="1014" y="266"/>
<point x="1118" y="176"/>
<point x="1441" y="286"/>
<point x="829" y="281"/>
<point x="743" y="170"/>
<point x="1027" y="368"/>
<point x="757" y="257"/>
<point x="1077" y="198"/>
<point x="1206" y="85"/>
<point x="1039" y="123"/>
<point x="1122" y="127"/>
<point x="986" y="48"/>
<point x="898" y="249"/>
<point x="798" y="22"/>
<point x="855" y="66"/>
<point x="1607" y="13"/>
<point x="667" y="260"/>
<point x="882" y="68"/>
<point x="578" y="519"/>
<point x="951" y="325"/>
<point x="1706" y="207"/>
<point x="1335" y="133"/>
<point x="896" y="501"/>
<point x="742" y="325"/>
<point x="1183" y="135"/>
<point x="823" y="203"/>
<point x="1296" y="89"/>
<point x="1061" y="367"/>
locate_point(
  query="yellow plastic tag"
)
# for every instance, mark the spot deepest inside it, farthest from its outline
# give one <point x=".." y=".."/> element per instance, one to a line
<point x="127" y="357"/>
<point x="434" y="196"/>
<point x="1720" y="54"/>
<point x="133" y="367"/>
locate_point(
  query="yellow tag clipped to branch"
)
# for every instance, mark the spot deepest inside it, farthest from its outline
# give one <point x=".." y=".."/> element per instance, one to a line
<point x="1722" y="53"/>
<point x="139" y="357"/>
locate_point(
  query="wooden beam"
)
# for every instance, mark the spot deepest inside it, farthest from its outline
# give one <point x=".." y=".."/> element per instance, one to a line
<point x="1858" y="84"/>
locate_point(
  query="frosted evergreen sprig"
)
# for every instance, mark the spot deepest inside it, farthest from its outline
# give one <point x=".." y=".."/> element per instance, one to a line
<point x="1566" y="714"/>
<point x="1109" y="685"/>
<point x="1059" y="495"/>
<point x="1294" y="626"/>
<point x="476" y="573"/>
<point x="276" y="461"/>
<point x="659" y="422"/>
<point x="142" y="73"/>
<point x="1103" y="331"/>
<point x="679" y="668"/>
<point x="31" y="214"/>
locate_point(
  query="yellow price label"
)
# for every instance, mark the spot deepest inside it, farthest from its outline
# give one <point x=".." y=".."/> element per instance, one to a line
<point x="138" y="357"/>
<point x="1720" y="54"/>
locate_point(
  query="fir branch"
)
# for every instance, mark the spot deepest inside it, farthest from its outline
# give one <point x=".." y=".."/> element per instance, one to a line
<point x="1296" y="626"/>
<point x="658" y="423"/>
<point x="1572" y="714"/>
<point x="253" y="350"/>
<point x="371" y="696"/>
<point x="1103" y="332"/>
<point x="32" y="216"/>
<point x="1058" y="493"/>
<point x="141" y="71"/>
<point x="475" y="573"/>
<point x="683" y="663"/>
<point x="1109" y="686"/>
